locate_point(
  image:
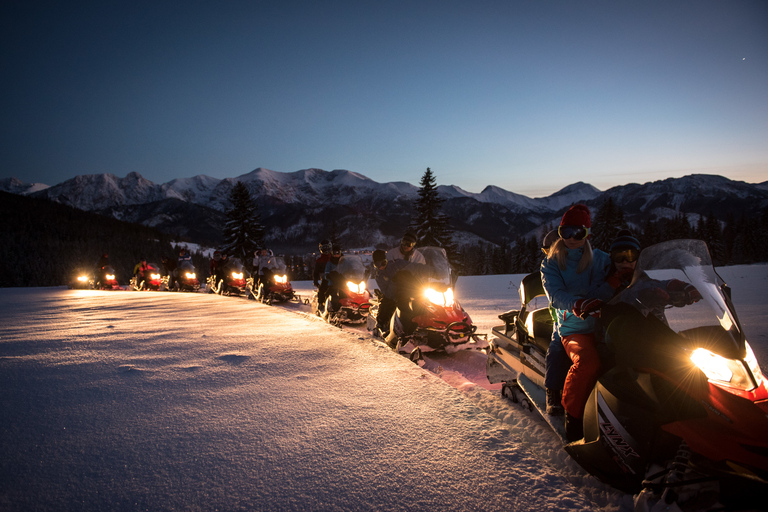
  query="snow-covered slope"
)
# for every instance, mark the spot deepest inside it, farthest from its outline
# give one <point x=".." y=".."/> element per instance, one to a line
<point x="167" y="401"/>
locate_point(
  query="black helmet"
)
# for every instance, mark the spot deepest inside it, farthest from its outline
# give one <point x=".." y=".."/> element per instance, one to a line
<point x="325" y="247"/>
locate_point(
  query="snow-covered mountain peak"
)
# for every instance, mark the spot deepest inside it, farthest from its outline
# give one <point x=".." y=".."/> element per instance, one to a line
<point x="578" y="192"/>
<point x="16" y="186"/>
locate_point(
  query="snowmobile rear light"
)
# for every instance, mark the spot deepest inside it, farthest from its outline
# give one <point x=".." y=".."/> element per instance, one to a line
<point x="154" y="276"/>
<point x="720" y="370"/>
<point x="237" y="275"/>
<point x="439" y="299"/>
<point x="190" y="275"/>
<point x="356" y="288"/>
<point x="281" y="279"/>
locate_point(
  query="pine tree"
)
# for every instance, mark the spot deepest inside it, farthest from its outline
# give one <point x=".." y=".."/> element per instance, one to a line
<point x="243" y="232"/>
<point x="431" y="225"/>
<point x="607" y="221"/>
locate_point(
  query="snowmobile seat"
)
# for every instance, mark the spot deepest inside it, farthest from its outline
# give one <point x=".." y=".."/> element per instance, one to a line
<point x="531" y="287"/>
<point x="542" y="324"/>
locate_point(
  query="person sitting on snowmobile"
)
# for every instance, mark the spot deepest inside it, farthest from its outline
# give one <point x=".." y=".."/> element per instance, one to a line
<point x="384" y="271"/>
<point x="557" y="361"/>
<point x="405" y="251"/>
<point x="336" y="281"/>
<point x="261" y="262"/>
<point x="318" y="275"/>
<point x="140" y="268"/>
<point x="570" y="273"/>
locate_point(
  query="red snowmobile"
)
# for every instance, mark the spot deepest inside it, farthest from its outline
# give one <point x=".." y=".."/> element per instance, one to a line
<point x="438" y="322"/>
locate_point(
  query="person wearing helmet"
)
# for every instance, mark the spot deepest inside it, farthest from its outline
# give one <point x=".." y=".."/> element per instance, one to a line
<point x="334" y="279"/>
<point x="406" y="250"/>
<point x="318" y="275"/>
<point x="140" y="268"/>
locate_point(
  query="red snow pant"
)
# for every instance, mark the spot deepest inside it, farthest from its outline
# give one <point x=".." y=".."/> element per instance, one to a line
<point x="582" y="376"/>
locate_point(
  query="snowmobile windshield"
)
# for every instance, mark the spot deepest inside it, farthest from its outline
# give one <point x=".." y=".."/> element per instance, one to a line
<point x="437" y="261"/>
<point x="234" y="264"/>
<point x="277" y="264"/>
<point x="153" y="267"/>
<point x="352" y="268"/>
<point x="676" y="282"/>
<point x="186" y="266"/>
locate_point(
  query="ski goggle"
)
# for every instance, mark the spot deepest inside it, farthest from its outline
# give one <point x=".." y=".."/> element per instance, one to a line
<point x="575" y="232"/>
<point x="628" y="255"/>
<point x="380" y="264"/>
<point x="407" y="244"/>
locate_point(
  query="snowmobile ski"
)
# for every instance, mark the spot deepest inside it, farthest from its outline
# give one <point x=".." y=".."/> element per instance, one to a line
<point x="538" y="398"/>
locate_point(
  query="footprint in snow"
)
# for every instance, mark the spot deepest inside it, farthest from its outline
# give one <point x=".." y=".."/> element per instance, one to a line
<point x="233" y="358"/>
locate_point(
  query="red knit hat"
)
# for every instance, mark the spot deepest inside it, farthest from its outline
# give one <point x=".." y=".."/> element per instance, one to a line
<point x="577" y="215"/>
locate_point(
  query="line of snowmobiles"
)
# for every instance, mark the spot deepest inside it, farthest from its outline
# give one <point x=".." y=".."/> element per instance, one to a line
<point x="680" y="415"/>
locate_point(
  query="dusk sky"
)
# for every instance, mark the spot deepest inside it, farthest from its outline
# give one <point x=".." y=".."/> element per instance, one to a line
<point x="527" y="95"/>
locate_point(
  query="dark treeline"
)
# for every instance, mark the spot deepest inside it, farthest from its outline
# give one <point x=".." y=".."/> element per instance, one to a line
<point x="731" y="241"/>
<point x="44" y="243"/>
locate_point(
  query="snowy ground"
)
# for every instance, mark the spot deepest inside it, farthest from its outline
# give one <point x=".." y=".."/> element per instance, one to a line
<point x="163" y="401"/>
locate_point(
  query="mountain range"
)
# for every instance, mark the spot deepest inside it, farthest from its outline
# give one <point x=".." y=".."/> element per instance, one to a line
<point x="299" y="208"/>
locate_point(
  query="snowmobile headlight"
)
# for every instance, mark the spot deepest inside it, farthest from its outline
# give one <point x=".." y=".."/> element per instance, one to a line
<point x="154" y="276"/>
<point x="719" y="369"/>
<point x="110" y="277"/>
<point x="237" y="275"/>
<point x="438" y="298"/>
<point x="190" y="275"/>
<point x="356" y="288"/>
<point x="281" y="279"/>
<point x="82" y="279"/>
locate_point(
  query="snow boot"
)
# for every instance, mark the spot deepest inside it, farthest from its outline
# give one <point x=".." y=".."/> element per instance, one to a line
<point x="554" y="402"/>
<point x="574" y="428"/>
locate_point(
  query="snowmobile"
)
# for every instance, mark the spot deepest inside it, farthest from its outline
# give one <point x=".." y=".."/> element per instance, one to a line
<point x="233" y="282"/>
<point x="185" y="280"/>
<point x="273" y="286"/>
<point x="348" y="287"/>
<point x="106" y="279"/>
<point x="81" y="280"/>
<point x="680" y="414"/>
<point x="438" y="323"/>
<point x="149" y="279"/>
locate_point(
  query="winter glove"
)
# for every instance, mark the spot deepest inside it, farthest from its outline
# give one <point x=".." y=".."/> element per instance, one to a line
<point x="618" y="278"/>
<point x="585" y="307"/>
<point x="682" y="293"/>
<point x="653" y="297"/>
<point x="316" y="284"/>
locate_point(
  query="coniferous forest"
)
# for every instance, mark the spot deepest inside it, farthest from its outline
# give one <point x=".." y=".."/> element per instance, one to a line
<point x="45" y="243"/>
<point x="731" y="241"/>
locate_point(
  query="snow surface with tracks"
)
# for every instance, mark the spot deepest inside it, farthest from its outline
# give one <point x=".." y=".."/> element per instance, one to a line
<point x="179" y="401"/>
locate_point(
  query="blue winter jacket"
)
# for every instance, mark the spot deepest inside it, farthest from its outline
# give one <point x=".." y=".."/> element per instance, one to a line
<point x="565" y="287"/>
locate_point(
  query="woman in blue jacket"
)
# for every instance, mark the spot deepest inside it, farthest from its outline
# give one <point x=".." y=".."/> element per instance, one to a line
<point x="573" y="275"/>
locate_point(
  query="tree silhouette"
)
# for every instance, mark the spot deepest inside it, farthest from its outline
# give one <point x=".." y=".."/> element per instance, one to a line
<point x="431" y="225"/>
<point x="243" y="232"/>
